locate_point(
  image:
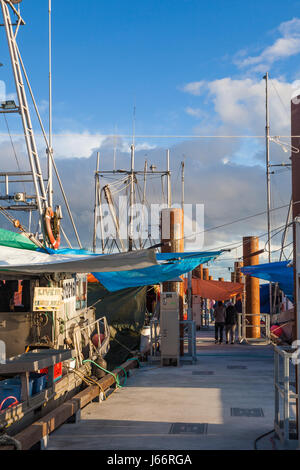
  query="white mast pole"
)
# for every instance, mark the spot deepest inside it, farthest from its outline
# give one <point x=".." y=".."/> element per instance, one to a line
<point x="50" y="172"/>
<point x="169" y="194"/>
<point x="266" y="77"/>
<point x="182" y="184"/>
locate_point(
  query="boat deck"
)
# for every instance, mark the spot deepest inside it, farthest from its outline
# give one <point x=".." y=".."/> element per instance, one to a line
<point x="193" y="407"/>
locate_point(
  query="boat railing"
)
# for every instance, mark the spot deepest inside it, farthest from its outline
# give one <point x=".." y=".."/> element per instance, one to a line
<point x="247" y="329"/>
<point x="97" y="347"/>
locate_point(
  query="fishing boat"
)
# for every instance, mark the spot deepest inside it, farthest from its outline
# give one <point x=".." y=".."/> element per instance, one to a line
<point x="49" y="337"/>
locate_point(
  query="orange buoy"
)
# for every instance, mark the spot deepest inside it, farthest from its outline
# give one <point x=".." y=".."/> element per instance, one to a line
<point x="52" y="225"/>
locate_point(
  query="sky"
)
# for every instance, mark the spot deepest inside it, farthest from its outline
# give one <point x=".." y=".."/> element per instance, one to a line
<point x="182" y="68"/>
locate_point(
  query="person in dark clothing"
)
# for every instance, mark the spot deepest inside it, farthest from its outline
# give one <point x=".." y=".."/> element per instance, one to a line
<point x="239" y="305"/>
<point x="220" y="312"/>
<point x="230" y="322"/>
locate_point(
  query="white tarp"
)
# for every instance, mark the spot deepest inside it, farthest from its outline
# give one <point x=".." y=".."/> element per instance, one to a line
<point x="34" y="262"/>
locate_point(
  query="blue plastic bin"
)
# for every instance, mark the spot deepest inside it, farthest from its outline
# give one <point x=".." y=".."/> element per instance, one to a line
<point x="39" y="383"/>
<point x="9" y="391"/>
<point x="12" y="387"/>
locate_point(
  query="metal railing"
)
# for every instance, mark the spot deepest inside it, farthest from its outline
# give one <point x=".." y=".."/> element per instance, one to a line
<point x="244" y="326"/>
<point x="205" y="316"/>
<point x="285" y="397"/>
<point x="154" y="339"/>
<point x="189" y="339"/>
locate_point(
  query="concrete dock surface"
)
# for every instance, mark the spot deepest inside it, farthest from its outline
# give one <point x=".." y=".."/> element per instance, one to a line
<point x="223" y="402"/>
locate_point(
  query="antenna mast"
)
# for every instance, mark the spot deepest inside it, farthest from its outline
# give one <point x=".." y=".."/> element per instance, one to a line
<point x="266" y="77"/>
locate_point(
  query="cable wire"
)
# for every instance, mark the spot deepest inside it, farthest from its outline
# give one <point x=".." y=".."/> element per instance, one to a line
<point x="237" y="221"/>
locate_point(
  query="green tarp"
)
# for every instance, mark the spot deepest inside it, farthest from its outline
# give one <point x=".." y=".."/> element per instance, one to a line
<point x="16" y="240"/>
<point x="125" y="313"/>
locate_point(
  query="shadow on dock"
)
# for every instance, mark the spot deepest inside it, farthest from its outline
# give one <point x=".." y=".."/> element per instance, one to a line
<point x="223" y="402"/>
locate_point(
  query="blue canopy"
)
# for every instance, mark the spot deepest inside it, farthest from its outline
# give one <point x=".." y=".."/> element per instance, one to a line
<point x="275" y="272"/>
<point x="173" y="265"/>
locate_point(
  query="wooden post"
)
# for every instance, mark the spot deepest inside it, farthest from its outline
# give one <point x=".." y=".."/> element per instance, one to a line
<point x="238" y="274"/>
<point x="239" y="278"/>
<point x="172" y="233"/>
<point x="198" y="272"/>
<point x="250" y="246"/>
<point x="206" y="274"/>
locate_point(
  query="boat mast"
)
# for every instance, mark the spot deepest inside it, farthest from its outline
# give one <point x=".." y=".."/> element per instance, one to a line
<point x="23" y="109"/>
<point x="132" y="179"/>
<point x="43" y="200"/>
<point x="50" y="151"/>
<point x="144" y="198"/>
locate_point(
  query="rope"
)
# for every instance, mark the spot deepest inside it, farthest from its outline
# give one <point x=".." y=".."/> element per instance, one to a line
<point x="6" y="440"/>
<point x="114" y="339"/>
<point x="135" y="359"/>
<point x="116" y="377"/>
<point x="98" y="301"/>
<point x="89" y="381"/>
<point x="9" y="398"/>
<point x="237" y="220"/>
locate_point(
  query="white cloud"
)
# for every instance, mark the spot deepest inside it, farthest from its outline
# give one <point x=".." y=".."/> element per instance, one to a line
<point x="194" y="88"/>
<point x="239" y="105"/>
<point x="73" y="145"/>
<point x="285" y="46"/>
<point x="126" y="147"/>
<point x="43" y="106"/>
<point x="195" y="112"/>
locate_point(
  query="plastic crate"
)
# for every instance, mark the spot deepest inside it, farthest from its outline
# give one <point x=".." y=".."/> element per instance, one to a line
<point x="39" y="383"/>
<point x="57" y="372"/>
<point x="12" y="388"/>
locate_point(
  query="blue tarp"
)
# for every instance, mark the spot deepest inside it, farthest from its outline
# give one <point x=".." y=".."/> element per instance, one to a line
<point x="265" y="298"/>
<point x="174" y="264"/>
<point x="275" y="272"/>
<point x="171" y="266"/>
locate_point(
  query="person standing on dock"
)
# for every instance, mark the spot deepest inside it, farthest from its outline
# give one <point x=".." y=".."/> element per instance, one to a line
<point x="211" y="310"/>
<point x="239" y="305"/>
<point x="230" y="322"/>
<point x="220" y="314"/>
